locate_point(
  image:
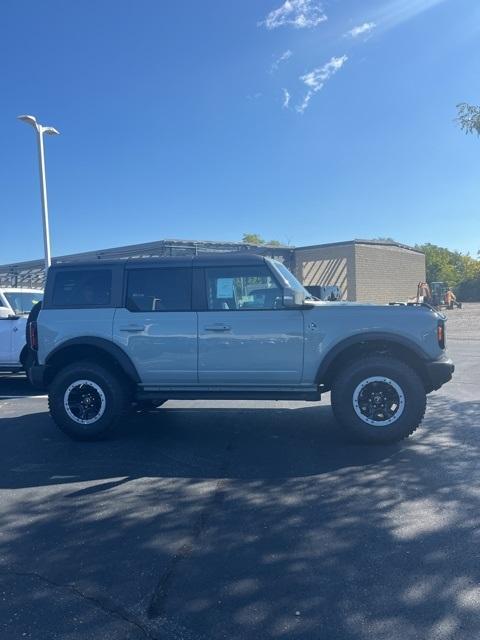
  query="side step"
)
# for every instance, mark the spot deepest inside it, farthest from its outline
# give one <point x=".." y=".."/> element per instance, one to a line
<point x="152" y="392"/>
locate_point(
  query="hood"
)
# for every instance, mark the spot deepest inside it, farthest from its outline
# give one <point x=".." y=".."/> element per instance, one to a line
<point x="393" y="308"/>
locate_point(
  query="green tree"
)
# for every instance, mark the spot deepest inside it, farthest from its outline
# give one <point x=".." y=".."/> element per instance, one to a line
<point x="448" y="266"/>
<point x="253" y="238"/>
<point x="468" y="117"/>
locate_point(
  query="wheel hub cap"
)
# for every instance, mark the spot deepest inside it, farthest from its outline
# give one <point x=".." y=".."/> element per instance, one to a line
<point x="84" y="402"/>
<point x="379" y="401"/>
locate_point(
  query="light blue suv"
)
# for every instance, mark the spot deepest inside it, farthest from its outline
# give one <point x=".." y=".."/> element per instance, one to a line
<point x="112" y="335"/>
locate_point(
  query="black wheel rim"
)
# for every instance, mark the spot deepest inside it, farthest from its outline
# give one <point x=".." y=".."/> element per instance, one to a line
<point x="379" y="401"/>
<point x="84" y="402"/>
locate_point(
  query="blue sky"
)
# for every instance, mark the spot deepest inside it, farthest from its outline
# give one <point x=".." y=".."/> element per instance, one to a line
<point x="306" y="122"/>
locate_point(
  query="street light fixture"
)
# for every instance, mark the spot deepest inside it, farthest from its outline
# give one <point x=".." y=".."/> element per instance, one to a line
<point x="50" y="131"/>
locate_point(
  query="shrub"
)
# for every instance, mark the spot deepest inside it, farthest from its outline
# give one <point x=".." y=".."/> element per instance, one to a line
<point x="469" y="290"/>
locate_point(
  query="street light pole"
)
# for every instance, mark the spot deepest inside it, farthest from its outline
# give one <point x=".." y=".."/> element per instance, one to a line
<point x="40" y="129"/>
<point x="43" y="192"/>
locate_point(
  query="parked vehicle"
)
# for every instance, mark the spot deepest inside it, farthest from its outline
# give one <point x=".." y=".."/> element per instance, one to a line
<point x="230" y="326"/>
<point x="15" y="305"/>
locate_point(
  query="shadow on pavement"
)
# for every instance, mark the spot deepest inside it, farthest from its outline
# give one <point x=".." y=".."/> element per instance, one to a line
<point x="251" y="523"/>
<point x="184" y="443"/>
<point x="16" y="385"/>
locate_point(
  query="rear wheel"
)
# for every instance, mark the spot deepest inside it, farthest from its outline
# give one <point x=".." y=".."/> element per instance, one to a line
<point x="86" y="400"/>
<point x="379" y="399"/>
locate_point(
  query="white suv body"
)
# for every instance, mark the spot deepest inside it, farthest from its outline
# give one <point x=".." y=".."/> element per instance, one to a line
<point x="15" y="305"/>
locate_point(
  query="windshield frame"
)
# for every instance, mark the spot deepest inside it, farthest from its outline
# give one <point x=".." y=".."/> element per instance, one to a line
<point x="289" y="279"/>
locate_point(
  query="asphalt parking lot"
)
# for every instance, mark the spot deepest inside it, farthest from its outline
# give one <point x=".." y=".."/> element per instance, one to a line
<point x="213" y="520"/>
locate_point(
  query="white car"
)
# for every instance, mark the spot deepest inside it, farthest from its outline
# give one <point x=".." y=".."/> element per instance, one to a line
<point x="15" y="305"/>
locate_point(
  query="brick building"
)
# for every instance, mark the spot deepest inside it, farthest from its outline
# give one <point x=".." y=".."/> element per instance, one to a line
<point x="365" y="270"/>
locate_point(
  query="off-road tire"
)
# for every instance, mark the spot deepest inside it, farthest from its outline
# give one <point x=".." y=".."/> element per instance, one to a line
<point x="353" y="374"/>
<point x="116" y="394"/>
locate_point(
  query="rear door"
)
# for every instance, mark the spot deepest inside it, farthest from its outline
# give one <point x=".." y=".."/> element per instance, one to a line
<point x="157" y="327"/>
<point x="246" y="336"/>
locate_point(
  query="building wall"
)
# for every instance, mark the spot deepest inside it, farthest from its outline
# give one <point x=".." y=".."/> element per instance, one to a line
<point x="387" y="274"/>
<point x="326" y="266"/>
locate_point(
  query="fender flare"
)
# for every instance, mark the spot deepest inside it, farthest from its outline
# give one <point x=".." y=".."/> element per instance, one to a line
<point x="365" y="338"/>
<point x="109" y="347"/>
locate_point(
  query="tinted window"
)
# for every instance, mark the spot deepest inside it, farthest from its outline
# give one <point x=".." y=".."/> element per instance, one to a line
<point x="22" y="302"/>
<point x="242" y="288"/>
<point x="83" y="288"/>
<point x="159" y="290"/>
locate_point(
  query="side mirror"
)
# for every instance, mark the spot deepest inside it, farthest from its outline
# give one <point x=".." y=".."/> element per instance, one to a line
<point x="293" y="298"/>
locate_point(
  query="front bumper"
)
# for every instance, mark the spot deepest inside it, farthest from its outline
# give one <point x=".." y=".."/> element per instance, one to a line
<point x="439" y="372"/>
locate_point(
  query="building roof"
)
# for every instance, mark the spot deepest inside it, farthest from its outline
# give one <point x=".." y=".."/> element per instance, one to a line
<point x="32" y="273"/>
<point x="381" y="243"/>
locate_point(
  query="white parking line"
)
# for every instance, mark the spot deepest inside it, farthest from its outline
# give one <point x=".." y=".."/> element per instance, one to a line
<point x="18" y="397"/>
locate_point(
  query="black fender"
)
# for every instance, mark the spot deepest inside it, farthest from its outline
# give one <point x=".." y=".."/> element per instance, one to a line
<point x="107" y="346"/>
<point x="364" y="339"/>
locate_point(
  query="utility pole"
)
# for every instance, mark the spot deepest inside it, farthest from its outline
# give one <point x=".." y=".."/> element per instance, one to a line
<point x="40" y="129"/>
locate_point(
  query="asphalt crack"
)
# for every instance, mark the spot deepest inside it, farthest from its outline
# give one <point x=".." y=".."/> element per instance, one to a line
<point x="160" y="594"/>
<point x="104" y="606"/>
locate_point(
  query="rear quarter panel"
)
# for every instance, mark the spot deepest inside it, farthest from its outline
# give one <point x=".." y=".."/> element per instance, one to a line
<point x="56" y="326"/>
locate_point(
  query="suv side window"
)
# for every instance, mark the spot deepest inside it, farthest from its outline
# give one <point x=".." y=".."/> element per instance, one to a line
<point x="242" y="289"/>
<point x="82" y="288"/>
<point x="159" y="289"/>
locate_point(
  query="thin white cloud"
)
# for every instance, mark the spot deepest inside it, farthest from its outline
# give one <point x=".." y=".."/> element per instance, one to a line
<point x="286" y="98"/>
<point x="315" y="80"/>
<point x="283" y="58"/>
<point x="361" y="29"/>
<point x="300" y="14"/>
<point x="304" y="104"/>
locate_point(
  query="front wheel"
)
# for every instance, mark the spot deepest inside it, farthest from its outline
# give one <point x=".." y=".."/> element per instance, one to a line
<point x="86" y="400"/>
<point x="379" y="399"/>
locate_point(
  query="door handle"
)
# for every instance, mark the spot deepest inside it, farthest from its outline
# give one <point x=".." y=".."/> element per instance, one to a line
<point x="218" y="327"/>
<point x="133" y="327"/>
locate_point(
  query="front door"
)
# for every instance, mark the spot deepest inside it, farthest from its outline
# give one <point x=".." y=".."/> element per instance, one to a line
<point x="247" y="337"/>
<point x="157" y="328"/>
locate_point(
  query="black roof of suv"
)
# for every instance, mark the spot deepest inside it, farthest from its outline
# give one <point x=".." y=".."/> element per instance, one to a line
<point x="234" y="258"/>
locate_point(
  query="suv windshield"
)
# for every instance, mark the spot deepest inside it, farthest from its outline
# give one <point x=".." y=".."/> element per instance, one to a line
<point x="23" y="301"/>
<point x="291" y="280"/>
